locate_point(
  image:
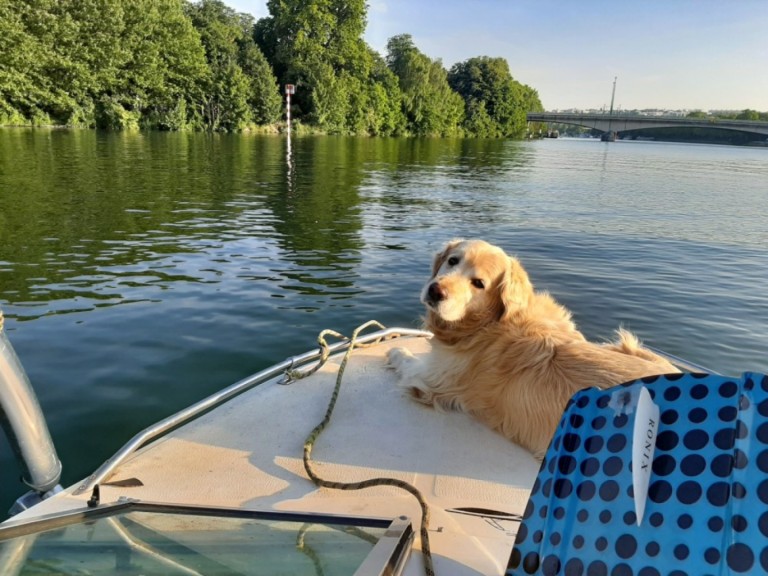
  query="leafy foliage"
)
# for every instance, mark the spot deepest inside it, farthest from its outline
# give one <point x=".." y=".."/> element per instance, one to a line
<point x="239" y="87"/>
<point x="745" y="114"/>
<point x="342" y="85"/>
<point x="431" y="107"/>
<point x="84" y="61"/>
<point x="496" y="103"/>
<point x="176" y="64"/>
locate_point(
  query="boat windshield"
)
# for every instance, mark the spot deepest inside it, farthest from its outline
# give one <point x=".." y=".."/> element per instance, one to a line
<point x="151" y="539"/>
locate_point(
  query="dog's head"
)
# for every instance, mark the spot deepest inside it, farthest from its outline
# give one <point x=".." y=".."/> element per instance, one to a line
<point x="475" y="282"/>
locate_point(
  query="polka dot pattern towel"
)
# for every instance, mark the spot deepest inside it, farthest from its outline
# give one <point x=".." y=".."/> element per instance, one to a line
<point x="706" y="507"/>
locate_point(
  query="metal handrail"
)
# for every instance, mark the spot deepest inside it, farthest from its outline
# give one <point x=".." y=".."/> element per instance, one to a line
<point x="218" y="398"/>
<point x="28" y="431"/>
<point x="222" y="396"/>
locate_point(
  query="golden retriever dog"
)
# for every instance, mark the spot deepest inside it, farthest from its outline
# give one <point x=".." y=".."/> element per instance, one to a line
<point x="508" y="355"/>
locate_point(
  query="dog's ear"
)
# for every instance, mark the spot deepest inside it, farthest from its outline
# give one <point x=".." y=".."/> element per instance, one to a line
<point x="442" y="255"/>
<point x="515" y="289"/>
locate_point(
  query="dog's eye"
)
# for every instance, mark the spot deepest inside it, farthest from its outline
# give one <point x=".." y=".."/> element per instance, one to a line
<point x="453" y="260"/>
<point x="477" y="283"/>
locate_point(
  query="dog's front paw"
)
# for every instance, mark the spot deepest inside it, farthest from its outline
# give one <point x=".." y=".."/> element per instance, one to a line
<point x="398" y="358"/>
<point x="410" y="369"/>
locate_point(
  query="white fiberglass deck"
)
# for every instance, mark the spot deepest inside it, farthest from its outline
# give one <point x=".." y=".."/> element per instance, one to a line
<point x="248" y="454"/>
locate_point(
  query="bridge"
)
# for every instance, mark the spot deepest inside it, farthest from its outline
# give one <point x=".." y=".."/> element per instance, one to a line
<point x="625" y="122"/>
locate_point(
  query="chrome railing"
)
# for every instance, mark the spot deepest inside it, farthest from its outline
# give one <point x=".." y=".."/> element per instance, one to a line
<point x="222" y="396"/>
<point x="26" y="428"/>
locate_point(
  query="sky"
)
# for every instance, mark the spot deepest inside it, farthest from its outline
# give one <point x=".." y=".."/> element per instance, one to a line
<point x="666" y="54"/>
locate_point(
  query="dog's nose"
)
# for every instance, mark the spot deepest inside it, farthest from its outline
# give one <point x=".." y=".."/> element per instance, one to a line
<point x="436" y="292"/>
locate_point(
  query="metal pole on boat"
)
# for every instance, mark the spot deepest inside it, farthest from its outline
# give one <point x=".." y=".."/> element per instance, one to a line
<point x="25" y="426"/>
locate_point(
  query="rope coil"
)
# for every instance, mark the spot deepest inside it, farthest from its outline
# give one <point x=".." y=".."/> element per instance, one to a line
<point x="314" y="435"/>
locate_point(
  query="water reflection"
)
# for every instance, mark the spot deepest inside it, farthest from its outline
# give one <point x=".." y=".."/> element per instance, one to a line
<point x="319" y="212"/>
<point x="289" y="161"/>
<point x="94" y="219"/>
<point x="91" y="219"/>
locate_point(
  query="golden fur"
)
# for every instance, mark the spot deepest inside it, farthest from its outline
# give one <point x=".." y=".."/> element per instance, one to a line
<point x="507" y="354"/>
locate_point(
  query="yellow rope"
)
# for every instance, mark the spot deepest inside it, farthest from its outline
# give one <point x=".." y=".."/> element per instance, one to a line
<point x="2" y="320"/>
<point x="313" y="436"/>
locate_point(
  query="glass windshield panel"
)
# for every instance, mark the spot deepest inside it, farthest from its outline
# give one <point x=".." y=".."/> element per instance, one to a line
<point x="163" y="544"/>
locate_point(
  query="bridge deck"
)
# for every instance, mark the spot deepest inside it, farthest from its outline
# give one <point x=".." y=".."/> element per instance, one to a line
<point x="625" y="122"/>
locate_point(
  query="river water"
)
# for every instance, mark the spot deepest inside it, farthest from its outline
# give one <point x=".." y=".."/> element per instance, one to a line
<point x="141" y="272"/>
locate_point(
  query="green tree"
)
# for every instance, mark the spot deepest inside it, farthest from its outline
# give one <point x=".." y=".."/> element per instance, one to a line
<point x="173" y="64"/>
<point x="103" y="62"/>
<point x="22" y="60"/>
<point x="478" y="122"/>
<point x="239" y="88"/>
<point x="531" y="100"/>
<point x="342" y="85"/>
<point x="157" y="64"/>
<point x="225" y="88"/>
<point x="265" y="36"/>
<point x="166" y="67"/>
<point x="382" y="104"/>
<point x="431" y="107"/>
<point x="748" y="115"/>
<point x="496" y="103"/>
<point x="38" y="78"/>
<point x="264" y="94"/>
<point x="315" y="45"/>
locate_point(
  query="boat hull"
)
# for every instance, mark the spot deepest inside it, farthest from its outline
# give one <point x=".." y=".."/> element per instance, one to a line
<point x="247" y="454"/>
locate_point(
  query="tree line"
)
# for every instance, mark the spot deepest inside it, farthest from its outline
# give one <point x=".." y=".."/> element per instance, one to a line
<point x="746" y="114"/>
<point x="176" y="65"/>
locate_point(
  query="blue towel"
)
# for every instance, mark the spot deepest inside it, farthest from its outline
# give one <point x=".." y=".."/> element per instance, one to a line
<point x="706" y="504"/>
